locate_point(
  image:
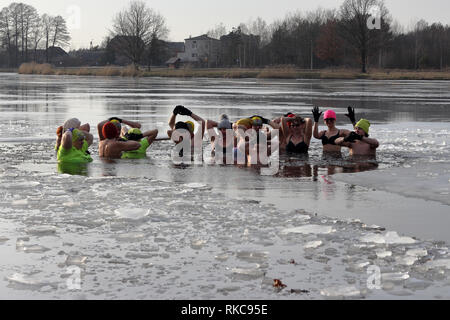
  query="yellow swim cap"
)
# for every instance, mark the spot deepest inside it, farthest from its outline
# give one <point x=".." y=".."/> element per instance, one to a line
<point x="245" y="122"/>
<point x="135" y="131"/>
<point x="191" y="126"/>
<point x="363" y="124"/>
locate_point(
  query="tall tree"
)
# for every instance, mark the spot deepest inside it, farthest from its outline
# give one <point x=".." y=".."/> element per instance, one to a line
<point x="355" y="16"/>
<point x="47" y="29"/>
<point x="136" y="28"/>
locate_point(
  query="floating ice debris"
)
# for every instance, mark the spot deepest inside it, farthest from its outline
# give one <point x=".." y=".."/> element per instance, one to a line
<point x="309" y="229"/>
<point x="389" y="238"/>
<point x="336" y="292"/>
<point x="71" y="204"/>
<point x="394" y="276"/>
<point x="22" y="202"/>
<point x="131" y="236"/>
<point x="3" y="239"/>
<point x="222" y="257"/>
<point x="248" y="272"/>
<point x="195" y="185"/>
<point x="35" y="248"/>
<point x="41" y="230"/>
<point x="197" y="244"/>
<point x="28" y="281"/>
<point x="131" y="213"/>
<point x="75" y="260"/>
<point x="417" y="252"/>
<point x="440" y="263"/>
<point x="252" y="256"/>
<point x="22" y="185"/>
<point x="407" y="260"/>
<point x="383" y="253"/>
<point x="313" y="244"/>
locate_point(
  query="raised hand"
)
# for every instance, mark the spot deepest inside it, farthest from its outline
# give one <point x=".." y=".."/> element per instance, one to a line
<point x="316" y="113"/>
<point x="185" y="111"/>
<point x="351" y="115"/>
<point x="177" y="110"/>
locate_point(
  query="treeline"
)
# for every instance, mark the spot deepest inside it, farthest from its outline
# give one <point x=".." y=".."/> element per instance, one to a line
<point x="27" y="36"/>
<point x="342" y="37"/>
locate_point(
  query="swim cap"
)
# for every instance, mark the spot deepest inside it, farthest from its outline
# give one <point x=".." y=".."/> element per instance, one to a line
<point x="134" y="134"/>
<point x="71" y="123"/>
<point x="77" y="135"/>
<point x="224" y="123"/>
<point x="191" y="126"/>
<point x="181" y="125"/>
<point x="110" y="131"/>
<point x="117" y="124"/>
<point x="330" y="114"/>
<point x="291" y="115"/>
<point x="245" y="122"/>
<point x="363" y="124"/>
<point x="257" y="121"/>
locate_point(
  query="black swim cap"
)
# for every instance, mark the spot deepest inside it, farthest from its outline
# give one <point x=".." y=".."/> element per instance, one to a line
<point x="182" y="125"/>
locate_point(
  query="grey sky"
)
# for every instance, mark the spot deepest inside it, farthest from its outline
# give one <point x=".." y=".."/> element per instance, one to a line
<point x="196" y="17"/>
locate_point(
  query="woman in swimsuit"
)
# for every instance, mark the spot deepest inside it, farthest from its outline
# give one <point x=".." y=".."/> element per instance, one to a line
<point x="297" y="132"/>
<point x="329" y="136"/>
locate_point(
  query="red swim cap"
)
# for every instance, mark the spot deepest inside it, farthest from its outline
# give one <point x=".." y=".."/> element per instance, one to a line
<point x="110" y="131"/>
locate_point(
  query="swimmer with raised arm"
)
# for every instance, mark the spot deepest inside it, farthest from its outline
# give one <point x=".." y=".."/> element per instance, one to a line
<point x="330" y="135"/>
<point x="111" y="146"/>
<point x="358" y="141"/>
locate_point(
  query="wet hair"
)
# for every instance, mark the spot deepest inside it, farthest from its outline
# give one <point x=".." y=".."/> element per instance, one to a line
<point x="134" y="136"/>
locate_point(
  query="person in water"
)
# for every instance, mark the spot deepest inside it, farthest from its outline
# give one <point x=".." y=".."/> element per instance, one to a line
<point x="73" y="147"/>
<point x="330" y="135"/>
<point x="358" y="141"/>
<point x="75" y="124"/>
<point x="221" y="141"/>
<point x="188" y="125"/>
<point x="297" y="133"/>
<point x="118" y="123"/>
<point x="111" y="146"/>
<point x="145" y="139"/>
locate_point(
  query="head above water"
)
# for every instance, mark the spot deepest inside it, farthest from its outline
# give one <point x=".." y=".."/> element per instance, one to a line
<point x="224" y="123"/>
<point x="110" y="131"/>
<point x="77" y="138"/>
<point x="257" y="123"/>
<point x="117" y="124"/>
<point x="134" y="134"/>
<point x="296" y="121"/>
<point x="364" y="125"/>
<point x="329" y="115"/>
<point x="71" y="123"/>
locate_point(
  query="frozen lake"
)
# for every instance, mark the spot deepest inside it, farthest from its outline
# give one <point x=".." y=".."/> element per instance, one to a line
<point x="147" y="229"/>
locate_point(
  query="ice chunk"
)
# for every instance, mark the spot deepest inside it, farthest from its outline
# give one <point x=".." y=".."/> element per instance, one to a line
<point x="252" y="256"/>
<point x="131" y="236"/>
<point x="394" y="276"/>
<point x="417" y="252"/>
<point x="248" y="272"/>
<point x="197" y="244"/>
<point x="336" y="292"/>
<point x="407" y="260"/>
<point x="309" y="229"/>
<point x="131" y="213"/>
<point x="21" y="202"/>
<point x="28" y="281"/>
<point x="391" y="237"/>
<point x="313" y="244"/>
<point x="383" y="253"/>
<point x="75" y="260"/>
<point x="41" y="230"/>
<point x="440" y="263"/>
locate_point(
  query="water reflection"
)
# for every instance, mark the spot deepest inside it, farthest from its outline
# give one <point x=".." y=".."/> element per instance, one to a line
<point x="74" y="169"/>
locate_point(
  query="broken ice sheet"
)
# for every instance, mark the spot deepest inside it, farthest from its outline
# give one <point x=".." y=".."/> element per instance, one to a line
<point x="309" y="229"/>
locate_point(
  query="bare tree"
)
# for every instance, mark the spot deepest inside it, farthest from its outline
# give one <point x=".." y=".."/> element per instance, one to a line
<point x="355" y="15"/>
<point x="218" y="31"/>
<point x="60" y="36"/>
<point x="37" y="33"/>
<point x="6" y="31"/>
<point x="137" y="28"/>
<point x="28" y="17"/>
<point x="47" y="27"/>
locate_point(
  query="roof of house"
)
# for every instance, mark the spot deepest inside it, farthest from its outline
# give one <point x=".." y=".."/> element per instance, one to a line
<point x="173" y="60"/>
<point x="202" y="37"/>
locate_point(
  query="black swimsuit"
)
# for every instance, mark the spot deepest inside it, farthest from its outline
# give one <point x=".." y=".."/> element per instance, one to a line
<point x="301" y="148"/>
<point x="332" y="140"/>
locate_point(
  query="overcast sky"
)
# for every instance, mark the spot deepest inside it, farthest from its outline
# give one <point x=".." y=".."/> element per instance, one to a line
<point x="196" y="17"/>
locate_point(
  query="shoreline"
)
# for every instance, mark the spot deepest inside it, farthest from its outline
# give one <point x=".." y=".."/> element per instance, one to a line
<point x="234" y="73"/>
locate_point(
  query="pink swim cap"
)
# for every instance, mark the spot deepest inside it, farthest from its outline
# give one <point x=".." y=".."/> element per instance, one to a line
<point x="330" y="114"/>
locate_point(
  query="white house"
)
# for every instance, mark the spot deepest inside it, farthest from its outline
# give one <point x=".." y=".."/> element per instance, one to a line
<point x="202" y="50"/>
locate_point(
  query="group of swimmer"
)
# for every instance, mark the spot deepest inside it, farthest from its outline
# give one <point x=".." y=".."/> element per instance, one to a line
<point x="124" y="139"/>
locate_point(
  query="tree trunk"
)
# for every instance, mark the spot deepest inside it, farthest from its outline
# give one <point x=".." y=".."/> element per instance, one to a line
<point x="363" y="60"/>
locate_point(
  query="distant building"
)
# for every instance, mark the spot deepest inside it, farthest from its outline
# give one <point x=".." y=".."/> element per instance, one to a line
<point x="202" y="51"/>
<point x="173" y="63"/>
